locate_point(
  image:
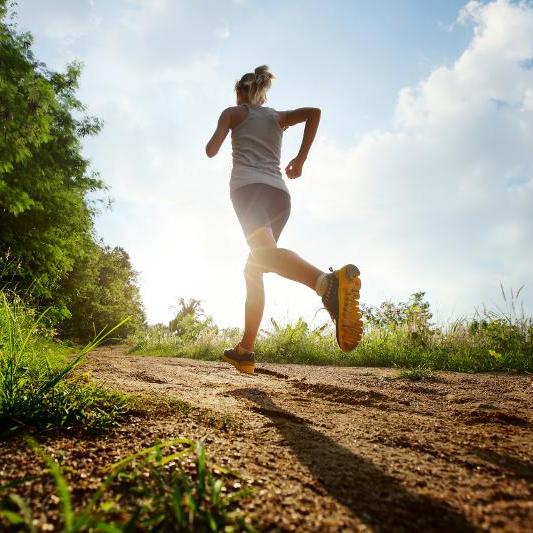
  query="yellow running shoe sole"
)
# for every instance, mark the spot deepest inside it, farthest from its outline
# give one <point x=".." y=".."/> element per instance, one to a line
<point x="349" y="324"/>
<point x="244" y="367"/>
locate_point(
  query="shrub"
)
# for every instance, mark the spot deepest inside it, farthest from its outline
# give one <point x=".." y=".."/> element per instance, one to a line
<point x="396" y="334"/>
<point x="38" y="390"/>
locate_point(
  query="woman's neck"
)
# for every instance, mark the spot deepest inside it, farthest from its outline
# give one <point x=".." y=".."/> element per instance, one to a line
<point x="247" y="102"/>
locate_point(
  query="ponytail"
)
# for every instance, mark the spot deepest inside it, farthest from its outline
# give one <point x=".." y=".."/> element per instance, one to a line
<point x="257" y="84"/>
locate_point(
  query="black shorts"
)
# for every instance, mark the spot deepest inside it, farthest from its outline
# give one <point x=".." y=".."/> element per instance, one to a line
<point x="259" y="205"/>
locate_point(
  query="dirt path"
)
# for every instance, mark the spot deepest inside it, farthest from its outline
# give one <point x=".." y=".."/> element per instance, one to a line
<point x="358" y="448"/>
<point x="324" y="448"/>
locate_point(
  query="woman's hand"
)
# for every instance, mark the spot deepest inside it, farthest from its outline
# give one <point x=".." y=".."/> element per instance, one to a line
<point x="294" y="168"/>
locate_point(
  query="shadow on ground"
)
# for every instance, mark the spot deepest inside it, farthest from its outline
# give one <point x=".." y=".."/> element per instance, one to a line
<point x="373" y="496"/>
<point x="509" y="464"/>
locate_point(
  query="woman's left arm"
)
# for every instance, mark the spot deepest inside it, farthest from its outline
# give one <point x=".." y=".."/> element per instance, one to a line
<point x="223" y="126"/>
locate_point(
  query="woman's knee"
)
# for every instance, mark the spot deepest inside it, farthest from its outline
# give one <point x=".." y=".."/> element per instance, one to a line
<point x="263" y="256"/>
<point x="253" y="273"/>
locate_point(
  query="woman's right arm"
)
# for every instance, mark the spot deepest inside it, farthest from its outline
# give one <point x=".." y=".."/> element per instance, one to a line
<point x="311" y="117"/>
<point x="223" y="127"/>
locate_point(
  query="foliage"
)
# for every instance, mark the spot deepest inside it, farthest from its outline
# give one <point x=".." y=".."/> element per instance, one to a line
<point x="39" y="391"/>
<point x="159" y="489"/>
<point x="396" y="335"/>
<point x="418" y="373"/>
<point x="48" y="251"/>
<point x="189" y="330"/>
<point x="190" y="321"/>
<point x="101" y="291"/>
<point x="415" y="314"/>
<point x="296" y="343"/>
<point x="44" y="218"/>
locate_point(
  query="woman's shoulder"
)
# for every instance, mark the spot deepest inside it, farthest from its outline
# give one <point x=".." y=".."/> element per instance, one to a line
<point x="275" y="113"/>
<point x="235" y="110"/>
<point x="236" y="113"/>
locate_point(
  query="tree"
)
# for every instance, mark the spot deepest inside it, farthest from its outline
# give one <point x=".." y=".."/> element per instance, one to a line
<point x="189" y="321"/>
<point x="48" y="249"/>
<point x="415" y="313"/>
<point x="45" y="218"/>
<point x="101" y="291"/>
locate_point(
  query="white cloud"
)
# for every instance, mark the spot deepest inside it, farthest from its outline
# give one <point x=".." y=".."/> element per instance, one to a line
<point x="71" y="20"/>
<point x="528" y="100"/>
<point x="441" y="201"/>
<point x="223" y="33"/>
<point x="432" y="204"/>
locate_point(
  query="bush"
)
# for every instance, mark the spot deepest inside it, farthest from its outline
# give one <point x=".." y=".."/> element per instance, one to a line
<point x="396" y="334"/>
<point x="38" y="390"/>
<point x="48" y="198"/>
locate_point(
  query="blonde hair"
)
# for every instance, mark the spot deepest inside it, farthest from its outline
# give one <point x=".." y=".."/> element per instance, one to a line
<point x="256" y="84"/>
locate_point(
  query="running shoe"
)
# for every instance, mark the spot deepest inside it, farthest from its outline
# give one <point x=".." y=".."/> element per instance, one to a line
<point x="241" y="359"/>
<point x="341" y="300"/>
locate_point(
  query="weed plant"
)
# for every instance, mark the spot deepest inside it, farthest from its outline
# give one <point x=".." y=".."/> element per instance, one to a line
<point x="396" y="335"/>
<point x="206" y="344"/>
<point x="418" y="373"/>
<point x="36" y="387"/>
<point x="166" y="487"/>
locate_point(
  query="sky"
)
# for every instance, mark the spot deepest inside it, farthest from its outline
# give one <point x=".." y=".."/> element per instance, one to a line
<point x="421" y="172"/>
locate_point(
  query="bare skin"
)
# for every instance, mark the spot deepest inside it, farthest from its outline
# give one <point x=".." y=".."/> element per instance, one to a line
<point x="265" y="256"/>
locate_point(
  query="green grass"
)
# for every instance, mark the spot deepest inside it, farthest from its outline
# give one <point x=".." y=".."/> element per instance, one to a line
<point x="167" y="487"/>
<point x="419" y="373"/>
<point x="206" y="345"/>
<point x="396" y="335"/>
<point x="37" y="387"/>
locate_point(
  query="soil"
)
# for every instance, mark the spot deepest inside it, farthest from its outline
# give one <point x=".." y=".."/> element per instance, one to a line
<point x="325" y="448"/>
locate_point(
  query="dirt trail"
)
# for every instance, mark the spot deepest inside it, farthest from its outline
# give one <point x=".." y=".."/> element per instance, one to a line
<point x="358" y="448"/>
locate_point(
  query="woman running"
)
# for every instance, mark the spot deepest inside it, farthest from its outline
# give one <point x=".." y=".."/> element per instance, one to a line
<point x="262" y="203"/>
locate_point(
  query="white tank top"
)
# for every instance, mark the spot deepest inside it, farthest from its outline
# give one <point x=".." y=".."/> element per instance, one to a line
<point x="256" y="144"/>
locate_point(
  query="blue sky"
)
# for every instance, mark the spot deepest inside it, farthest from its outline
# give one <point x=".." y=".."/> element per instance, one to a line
<point x="421" y="172"/>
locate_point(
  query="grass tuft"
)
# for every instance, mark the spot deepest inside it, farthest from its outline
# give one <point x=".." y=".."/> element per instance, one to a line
<point x="419" y="373"/>
<point x="170" y="486"/>
<point x="37" y="387"/>
<point x="396" y="335"/>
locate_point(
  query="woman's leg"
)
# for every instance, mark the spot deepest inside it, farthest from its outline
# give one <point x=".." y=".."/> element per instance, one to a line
<point x="269" y="258"/>
<point x="254" y="305"/>
<point x="263" y="212"/>
<point x="265" y="256"/>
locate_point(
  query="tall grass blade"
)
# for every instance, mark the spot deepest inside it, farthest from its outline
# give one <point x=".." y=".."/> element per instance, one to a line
<point x="61" y="484"/>
<point x="70" y="366"/>
<point x="27" y="518"/>
<point x="13" y="518"/>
